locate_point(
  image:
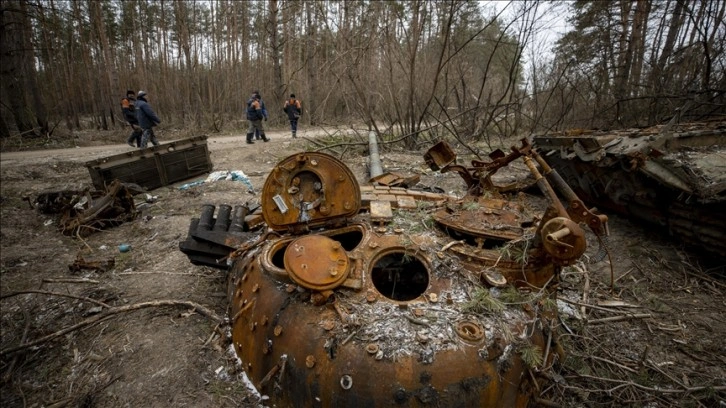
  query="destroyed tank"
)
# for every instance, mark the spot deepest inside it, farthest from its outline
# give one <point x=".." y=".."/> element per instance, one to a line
<point x="370" y="296"/>
<point x="670" y="176"/>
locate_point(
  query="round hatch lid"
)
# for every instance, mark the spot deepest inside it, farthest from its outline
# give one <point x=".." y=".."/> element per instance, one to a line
<point x="316" y="262"/>
<point x="309" y="189"/>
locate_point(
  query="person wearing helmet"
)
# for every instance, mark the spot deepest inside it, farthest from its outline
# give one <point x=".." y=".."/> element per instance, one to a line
<point x="147" y="119"/>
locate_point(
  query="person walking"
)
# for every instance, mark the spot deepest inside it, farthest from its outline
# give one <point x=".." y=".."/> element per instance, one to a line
<point x="254" y="117"/>
<point x="294" y="110"/>
<point x="147" y="120"/>
<point x="264" y="113"/>
<point x="128" y="109"/>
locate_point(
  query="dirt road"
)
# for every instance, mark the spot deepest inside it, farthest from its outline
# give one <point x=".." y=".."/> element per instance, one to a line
<point x="87" y="153"/>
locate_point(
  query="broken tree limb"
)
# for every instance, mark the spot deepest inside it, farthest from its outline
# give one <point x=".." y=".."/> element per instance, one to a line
<point x="202" y="310"/>
<point x="70" y="280"/>
<point x="610" y="309"/>
<point x="45" y="292"/>
<point x="622" y="317"/>
<point x="11" y="367"/>
<point x="624" y="383"/>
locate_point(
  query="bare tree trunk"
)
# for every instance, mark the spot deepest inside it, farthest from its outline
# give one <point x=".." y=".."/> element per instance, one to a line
<point x="311" y="64"/>
<point x="625" y="50"/>
<point x="31" y="82"/>
<point x="108" y="64"/>
<point x="140" y="56"/>
<point x="4" y="130"/>
<point x="186" y="96"/>
<point x="640" y="27"/>
<point x="12" y="44"/>
<point x="275" y="50"/>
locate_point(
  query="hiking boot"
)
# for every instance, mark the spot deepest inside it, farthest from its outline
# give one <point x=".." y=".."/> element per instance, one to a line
<point x="267" y="139"/>
<point x="250" y="142"/>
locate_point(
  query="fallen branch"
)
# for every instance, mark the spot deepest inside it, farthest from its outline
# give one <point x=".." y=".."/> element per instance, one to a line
<point x="591" y="306"/>
<point x="70" y="280"/>
<point x="622" y="317"/>
<point x="9" y="372"/>
<point x="45" y="292"/>
<point x="162" y="273"/>
<point x="650" y="389"/>
<point x="202" y="310"/>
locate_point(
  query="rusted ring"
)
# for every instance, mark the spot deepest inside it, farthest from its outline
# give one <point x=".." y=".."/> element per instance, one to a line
<point x="469" y="330"/>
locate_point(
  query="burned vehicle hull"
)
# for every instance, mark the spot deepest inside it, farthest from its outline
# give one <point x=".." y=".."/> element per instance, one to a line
<point x="375" y="296"/>
<point x="671" y="176"/>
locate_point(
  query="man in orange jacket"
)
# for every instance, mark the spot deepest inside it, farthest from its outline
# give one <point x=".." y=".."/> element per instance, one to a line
<point x="294" y="110"/>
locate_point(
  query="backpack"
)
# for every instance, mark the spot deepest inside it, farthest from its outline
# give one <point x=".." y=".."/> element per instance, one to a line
<point x="126" y="104"/>
<point x="252" y="113"/>
<point x="127" y="108"/>
<point x="294" y="106"/>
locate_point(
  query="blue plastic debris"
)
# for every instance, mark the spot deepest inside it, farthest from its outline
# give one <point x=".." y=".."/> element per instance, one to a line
<point x="234" y="175"/>
<point x="187" y="186"/>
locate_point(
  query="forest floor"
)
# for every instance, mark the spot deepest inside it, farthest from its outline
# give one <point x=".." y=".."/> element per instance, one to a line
<point x="657" y="341"/>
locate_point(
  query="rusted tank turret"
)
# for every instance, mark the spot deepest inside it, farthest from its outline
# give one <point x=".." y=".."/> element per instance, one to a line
<point x="672" y="176"/>
<point x="373" y="296"/>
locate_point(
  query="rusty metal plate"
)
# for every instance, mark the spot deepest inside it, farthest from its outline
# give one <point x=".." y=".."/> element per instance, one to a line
<point x="309" y="190"/>
<point x="484" y="218"/>
<point x="439" y="156"/>
<point x="316" y="262"/>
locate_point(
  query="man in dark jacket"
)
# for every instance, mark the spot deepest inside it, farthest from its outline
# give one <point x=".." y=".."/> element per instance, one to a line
<point x="127" y="107"/>
<point x="147" y="120"/>
<point x="294" y="110"/>
<point x="255" y="116"/>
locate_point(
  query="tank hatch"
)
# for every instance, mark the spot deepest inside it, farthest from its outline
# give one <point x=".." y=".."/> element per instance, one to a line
<point x="309" y="190"/>
<point x="316" y="262"/>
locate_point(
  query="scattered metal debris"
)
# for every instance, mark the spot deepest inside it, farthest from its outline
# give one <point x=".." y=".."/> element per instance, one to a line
<point x="671" y="176"/>
<point x="97" y="210"/>
<point x="54" y="202"/>
<point x="377" y="295"/>
<point x="81" y="264"/>
<point x="390" y="179"/>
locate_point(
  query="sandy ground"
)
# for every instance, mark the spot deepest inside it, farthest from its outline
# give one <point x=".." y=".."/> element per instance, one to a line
<point x="172" y="357"/>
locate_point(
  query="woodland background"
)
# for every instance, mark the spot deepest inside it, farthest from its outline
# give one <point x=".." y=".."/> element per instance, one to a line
<point x="400" y="67"/>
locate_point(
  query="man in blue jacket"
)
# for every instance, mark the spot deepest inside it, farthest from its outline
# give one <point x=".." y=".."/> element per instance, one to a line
<point x="147" y="120"/>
